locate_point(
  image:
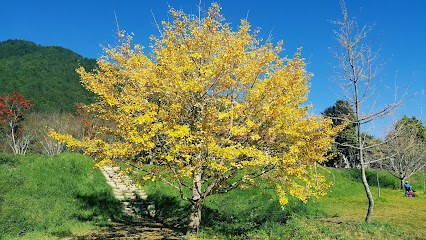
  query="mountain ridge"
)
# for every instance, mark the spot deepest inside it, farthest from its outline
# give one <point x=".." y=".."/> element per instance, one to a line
<point x="45" y="73"/>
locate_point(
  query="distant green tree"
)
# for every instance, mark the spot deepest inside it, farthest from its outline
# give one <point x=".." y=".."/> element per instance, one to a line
<point x="415" y="124"/>
<point x="341" y="113"/>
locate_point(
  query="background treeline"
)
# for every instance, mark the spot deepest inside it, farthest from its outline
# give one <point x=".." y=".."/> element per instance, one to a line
<point x="46" y="74"/>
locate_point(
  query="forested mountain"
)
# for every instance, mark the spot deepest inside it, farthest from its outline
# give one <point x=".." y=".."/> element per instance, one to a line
<point x="46" y="74"/>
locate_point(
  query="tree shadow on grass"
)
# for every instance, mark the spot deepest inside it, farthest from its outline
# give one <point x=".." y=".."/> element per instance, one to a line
<point x="174" y="213"/>
<point x="100" y="207"/>
<point x="164" y="209"/>
<point x="8" y="159"/>
<point x="165" y="216"/>
<point x="237" y="219"/>
<point x="166" y="223"/>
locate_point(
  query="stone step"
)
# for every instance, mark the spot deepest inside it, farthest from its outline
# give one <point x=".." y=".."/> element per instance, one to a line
<point x="124" y="189"/>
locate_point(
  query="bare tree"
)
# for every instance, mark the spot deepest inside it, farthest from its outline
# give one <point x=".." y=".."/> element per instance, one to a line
<point x="38" y="125"/>
<point x="356" y="72"/>
<point x="406" y="146"/>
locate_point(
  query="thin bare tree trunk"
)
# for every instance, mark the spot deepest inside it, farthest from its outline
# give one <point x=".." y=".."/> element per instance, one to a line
<point x="13" y="145"/>
<point x="378" y="183"/>
<point x="361" y="153"/>
<point x="369" y="195"/>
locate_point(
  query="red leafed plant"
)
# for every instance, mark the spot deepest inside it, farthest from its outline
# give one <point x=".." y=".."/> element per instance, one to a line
<point x="11" y="116"/>
<point x="85" y="120"/>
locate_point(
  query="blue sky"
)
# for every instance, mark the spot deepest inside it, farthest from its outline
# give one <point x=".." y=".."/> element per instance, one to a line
<point x="400" y="32"/>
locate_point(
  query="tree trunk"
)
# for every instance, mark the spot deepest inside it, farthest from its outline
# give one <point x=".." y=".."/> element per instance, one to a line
<point x="13" y="145"/>
<point x="346" y="162"/>
<point x="368" y="192"/>
<point x="194" y="218"/>
<point x="378" y="183"/>
<point x="196" y="205"/>
<point x="361" y="158"/>
<point x="403" y="180"/>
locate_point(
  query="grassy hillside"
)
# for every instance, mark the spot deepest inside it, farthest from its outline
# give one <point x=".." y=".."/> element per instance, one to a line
<point x="52" y="197"/>
<point x="46" y="74"/>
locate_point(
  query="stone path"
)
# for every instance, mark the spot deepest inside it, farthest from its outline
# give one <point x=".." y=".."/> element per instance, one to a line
<point x="123" y="189"/>
<point x="141" y="224"/>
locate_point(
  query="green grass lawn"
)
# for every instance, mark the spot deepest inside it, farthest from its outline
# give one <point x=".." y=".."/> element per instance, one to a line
<point x="53" y="197"/>
<point x="394" y="217"/>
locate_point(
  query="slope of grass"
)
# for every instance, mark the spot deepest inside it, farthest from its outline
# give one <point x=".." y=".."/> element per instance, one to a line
<point x="52" y="197"/>
<point x="256" y="214"/>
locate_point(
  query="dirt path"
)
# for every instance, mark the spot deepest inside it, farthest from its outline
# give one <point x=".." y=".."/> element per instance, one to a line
<point x="135" y="229"/>
<point x="141" y="224"/>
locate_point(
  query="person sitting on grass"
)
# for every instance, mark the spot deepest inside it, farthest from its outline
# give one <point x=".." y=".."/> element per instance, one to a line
<point x="408" y="190"/>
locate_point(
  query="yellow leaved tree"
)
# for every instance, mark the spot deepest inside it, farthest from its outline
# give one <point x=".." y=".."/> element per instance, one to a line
<point x="210" y="109"/>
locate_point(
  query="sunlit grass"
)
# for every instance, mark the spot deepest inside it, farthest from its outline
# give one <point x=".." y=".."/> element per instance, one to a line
<point x="348" y="203"/>
<point x="391" y="208"/>
<point x="52" y="197"/>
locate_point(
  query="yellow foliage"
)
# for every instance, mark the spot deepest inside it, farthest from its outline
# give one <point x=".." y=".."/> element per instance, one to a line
<point x="208" y="99"/>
